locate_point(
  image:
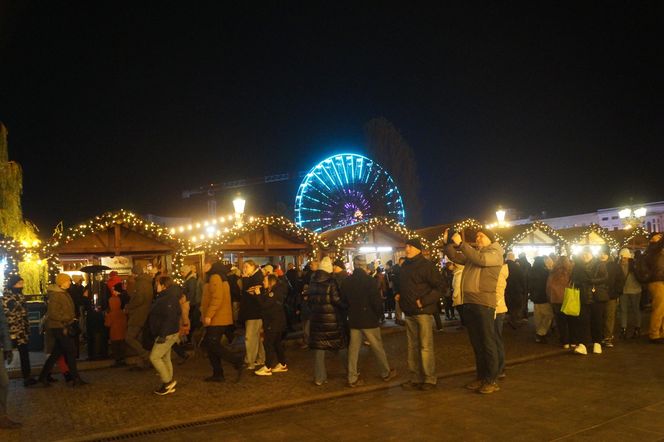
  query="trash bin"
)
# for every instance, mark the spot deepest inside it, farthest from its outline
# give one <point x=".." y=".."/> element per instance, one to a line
<point x="36" y="311"/>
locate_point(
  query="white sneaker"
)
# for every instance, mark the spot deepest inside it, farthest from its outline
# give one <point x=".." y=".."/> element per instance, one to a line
<point x="263" y="371"/>
<point x="566" y="346"/>
<point x="280" y="368"/>
<point x="597" y="348"/>
<point x="581" y="349"/>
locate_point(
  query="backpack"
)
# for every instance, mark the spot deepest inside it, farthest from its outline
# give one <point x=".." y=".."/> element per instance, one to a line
<point x="642" y="270"/>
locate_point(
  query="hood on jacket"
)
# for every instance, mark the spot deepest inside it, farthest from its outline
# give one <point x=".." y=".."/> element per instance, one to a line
<point x="321" y="276"/>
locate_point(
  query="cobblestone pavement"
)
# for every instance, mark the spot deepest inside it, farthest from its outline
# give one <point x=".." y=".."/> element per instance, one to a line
<point x="122" y="400"/>
<point x="617" y="396"/>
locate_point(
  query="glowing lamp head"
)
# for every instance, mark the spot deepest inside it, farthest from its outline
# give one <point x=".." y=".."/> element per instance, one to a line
<point x="625" y="213"/>
<point x="640" y="212"/>
<point x="500" y="216"/>
<point x="238" y="204"/>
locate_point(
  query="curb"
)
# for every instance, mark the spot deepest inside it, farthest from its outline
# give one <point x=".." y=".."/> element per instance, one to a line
<point x="260" y="409"/>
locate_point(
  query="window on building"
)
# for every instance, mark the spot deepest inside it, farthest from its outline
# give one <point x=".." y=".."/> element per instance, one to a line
<point x="606" y="218"/>
<point x="614" y="217"/>
<point x="649" y="229"/>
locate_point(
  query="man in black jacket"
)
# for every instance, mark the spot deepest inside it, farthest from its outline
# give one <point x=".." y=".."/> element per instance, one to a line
<point x="419" y="289"/>
<point x="616" y="283"/>
<point x="360" y="293"/>
<point x="515" y="292"/>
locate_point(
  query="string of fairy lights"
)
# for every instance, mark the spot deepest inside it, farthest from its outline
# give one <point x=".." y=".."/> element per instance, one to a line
<point x="361" y="230"/>
<point x="13" y="252"/>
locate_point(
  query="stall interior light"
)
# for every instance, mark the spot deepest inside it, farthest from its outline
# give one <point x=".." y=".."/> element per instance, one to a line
<point x="371" y="249"/>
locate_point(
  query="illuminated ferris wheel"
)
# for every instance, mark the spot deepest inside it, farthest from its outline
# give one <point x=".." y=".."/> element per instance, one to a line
<point x="345" y="189"/>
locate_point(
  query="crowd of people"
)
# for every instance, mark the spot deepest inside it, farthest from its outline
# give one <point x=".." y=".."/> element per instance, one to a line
<point x="152" y="316"/>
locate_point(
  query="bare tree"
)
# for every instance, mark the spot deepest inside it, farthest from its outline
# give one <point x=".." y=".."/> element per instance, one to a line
<point x="391" y="150"/>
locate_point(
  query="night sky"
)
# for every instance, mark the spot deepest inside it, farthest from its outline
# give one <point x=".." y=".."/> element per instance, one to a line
<point x="555" y="106"/>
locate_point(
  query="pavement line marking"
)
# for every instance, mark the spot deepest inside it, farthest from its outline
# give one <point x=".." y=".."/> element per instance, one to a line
<point x="592" y="427"/>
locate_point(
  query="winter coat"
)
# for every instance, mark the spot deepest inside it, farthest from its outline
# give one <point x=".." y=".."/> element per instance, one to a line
<point x="60" y="311"/>
<point x="140" y="301"/>
<point x="164" y="318"/>
<point x="193" y="289"/>
<point x="234" y="284"/>
<point x="631" y="286"/>
<point x="272" y="307"/>
<point x="419" y="279"/>
<point x="480" y="273"/>
<point x="116" y="320"/>
<point x="5" y="339"/>
<point x="327" y="319"/>
<point x="501" y="305"/>
<point x="340" y="277"/>
<point x="457" y="293"/>
<point x="250" y="308"/>
<point x="16" y="311"/>
<point x="616" y="279"/>
<point x="591" y="279"/>
<point x="556" y="283"/>
<point x="216" y="302"/>
<point x="654" y="259"/>
<point x="361" y="294"/>
<point x="537" y="284"/>
<point x="516" y="287"/>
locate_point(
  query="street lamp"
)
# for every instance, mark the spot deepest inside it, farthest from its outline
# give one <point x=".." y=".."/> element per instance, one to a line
<point x="238" y="205"/>
<point x="500" y="216"/>
<point x="632" y="218"/>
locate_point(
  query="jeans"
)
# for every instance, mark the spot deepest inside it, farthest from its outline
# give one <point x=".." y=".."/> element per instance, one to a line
<point x="320" y="370"/>
<point x="656" y="290"/>
<point x="133" y="340"/>
<point x="627" y="303"/>
<point x="4" y="388"/>
<point x="500" y="345"/>
<point x="63" y="345"/>
<point x="543" y="316"/>
<point x="421" y="356"/>
<point x="376" y="344"/>
<point x="610" y="318"/>
<point x="24" y="354"/>
<point x="160" y="356"/>
<point x="218" y="352"/>
<point x="563" y="324"/>
<point x="480" y="322"/>
<point x="274" y="349"/>
<point x="252" y="341"/>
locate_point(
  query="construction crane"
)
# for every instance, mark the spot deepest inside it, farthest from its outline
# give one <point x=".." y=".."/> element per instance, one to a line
<point x="212" y="189"/>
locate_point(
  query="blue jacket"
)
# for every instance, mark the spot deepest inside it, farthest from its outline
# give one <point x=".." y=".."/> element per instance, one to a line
<point x="165" y="314"/>
<point x="5" y="341"/>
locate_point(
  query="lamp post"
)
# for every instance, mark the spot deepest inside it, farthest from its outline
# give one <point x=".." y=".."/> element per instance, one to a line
<point x="238" y="205"/>
<point x="632" y="217"/>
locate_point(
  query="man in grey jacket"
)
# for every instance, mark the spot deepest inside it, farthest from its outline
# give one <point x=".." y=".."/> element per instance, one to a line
<point x="478" y="285"/>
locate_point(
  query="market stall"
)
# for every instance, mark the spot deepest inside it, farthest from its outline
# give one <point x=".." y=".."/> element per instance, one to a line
<point x="265" y="240"/>
<point x="379" y="239"/>
<point x="592" y="236"/>
<point x="633" y="239"/>
<point x="536" y="239"/>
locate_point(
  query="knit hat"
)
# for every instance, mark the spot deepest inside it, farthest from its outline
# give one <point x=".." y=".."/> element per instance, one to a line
<point x="13" y="280"/>
<point x="488" y="233"/>
<point x="326" y="265"/>
<point x="360" y="261"/>
<point x="62" y="278"/>
<point x="415" y="242"/>
<point x="137" y="269"/>
<point x="339" y="263"/>
<point x="625" y="253"/>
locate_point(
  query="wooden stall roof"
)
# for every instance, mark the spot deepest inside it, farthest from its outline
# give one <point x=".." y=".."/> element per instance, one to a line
<point x="113" y="234"/>
<point x="597" y="234"/>
<point x="376" y="231"/>
<point x="267" y="235"/>
<point x="540" y="233"/>
<point x="632" y="238"/>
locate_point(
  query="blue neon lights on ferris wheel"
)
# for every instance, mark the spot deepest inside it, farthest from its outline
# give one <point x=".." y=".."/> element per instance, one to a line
<point x="344" y="189"/>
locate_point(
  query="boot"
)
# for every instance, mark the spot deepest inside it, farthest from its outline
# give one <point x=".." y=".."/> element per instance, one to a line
<point x="623" y="333"/>
<point x="637" y="333"/>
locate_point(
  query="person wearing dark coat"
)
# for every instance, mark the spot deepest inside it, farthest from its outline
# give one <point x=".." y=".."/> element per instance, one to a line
<point x="272" y="298"/>
<point x="164" y="323"/>
<point x="590" y="276"/>
<point x="359" y="292"/>
<point x="525" y="270"/>
<point x="250" y="313"/>
<point x="327" y="325"/>
<point x="515" y="291"/>
<point x="16" y="311"/>
<point x="615" y="283"/>
<point x="543" y="314"/>
<point x="7" y="355"/>
<point x="418" y="290"/>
